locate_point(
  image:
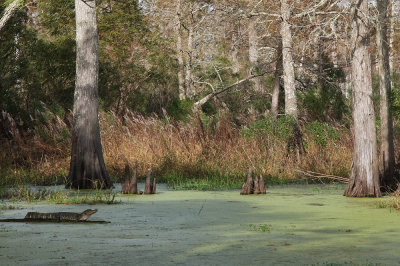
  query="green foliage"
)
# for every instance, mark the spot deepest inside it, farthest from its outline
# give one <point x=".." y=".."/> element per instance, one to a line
<point x="322" y="132"/>
<point x="137" y="69"/>
<point x="179" y="110"/>
<point x="323" y="100"/>
<point x="58" y="17"/>
<point x="34" y="72"/>
<point x="324" y="103"/>
<point x="395" y="97"/>
<point x="281" y="127"/>
<point x="265" y="228"/>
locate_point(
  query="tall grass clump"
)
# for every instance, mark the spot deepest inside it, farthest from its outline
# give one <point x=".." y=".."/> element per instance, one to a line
<point x="198" y="152"/>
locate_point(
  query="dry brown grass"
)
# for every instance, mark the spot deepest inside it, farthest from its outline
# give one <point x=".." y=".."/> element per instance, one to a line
<point x="175" y="150"/>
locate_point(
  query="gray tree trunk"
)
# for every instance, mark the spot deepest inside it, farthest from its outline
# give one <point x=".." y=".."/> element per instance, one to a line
<point x="234" y="54"/>
<point x="386" y="155"/>
<point x="189" y="52"/>
<point x="253" y="52"/>
<point x="277" y="81"/>
<point x="9" y="12"/>
<point x="87" y="168"/>
<point x="392" y="25"/>
<point x="364" y="180"/>
<point x="179" y="50"/>
<point x="288" y="63"/>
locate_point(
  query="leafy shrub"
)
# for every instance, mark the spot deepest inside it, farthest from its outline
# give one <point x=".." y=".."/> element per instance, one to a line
<point x="179" y="110"/>
<point x="321" y="133"/>
<point x="281" y="127"/>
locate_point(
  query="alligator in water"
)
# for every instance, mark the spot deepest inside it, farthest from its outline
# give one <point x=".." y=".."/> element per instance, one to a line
<point x="60" y="216"/>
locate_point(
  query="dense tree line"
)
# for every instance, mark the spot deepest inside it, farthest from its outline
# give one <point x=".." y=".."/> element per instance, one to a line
<point x="250" y="58"/>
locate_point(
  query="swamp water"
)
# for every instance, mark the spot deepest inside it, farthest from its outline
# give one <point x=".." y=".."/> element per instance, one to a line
<point x="291" y="225"/>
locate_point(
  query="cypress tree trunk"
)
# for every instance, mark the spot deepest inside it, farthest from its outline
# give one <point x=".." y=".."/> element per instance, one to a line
<point x="386" y="155"/>
<point x="87" y="168"/>
<point x="364" y="180"/>
<point x="288" y="63"/>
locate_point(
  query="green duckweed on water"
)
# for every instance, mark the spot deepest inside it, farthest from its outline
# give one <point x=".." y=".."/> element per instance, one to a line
<point x="291" y="225"/>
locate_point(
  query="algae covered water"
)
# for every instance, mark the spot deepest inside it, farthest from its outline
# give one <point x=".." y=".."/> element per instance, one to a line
<point x="291" y="225"/>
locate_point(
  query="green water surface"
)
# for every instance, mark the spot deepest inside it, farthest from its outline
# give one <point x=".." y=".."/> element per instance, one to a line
<point x="293" y="225"/>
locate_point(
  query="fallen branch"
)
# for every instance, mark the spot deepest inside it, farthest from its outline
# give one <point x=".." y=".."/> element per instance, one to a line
<point x="320" y="176"/>
<point x="214" y="93"/>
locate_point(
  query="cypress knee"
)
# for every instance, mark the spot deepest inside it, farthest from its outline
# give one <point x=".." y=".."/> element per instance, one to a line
<point x="133" y="183"/>
<point x="261" y="184"/>
<point x="147" y="188"/>
<point x="154" y="186"/>
<point x="125" y="184"/>
<point x="256" y="186"/>
<point x="248" y="187"/>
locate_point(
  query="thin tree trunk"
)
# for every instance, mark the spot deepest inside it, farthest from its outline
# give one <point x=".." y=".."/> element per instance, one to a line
<point x="386" y="156"/>
<point x="334" y="45"/>
<point x="179" y="50"/>
<point x="277" y="81"/>
<point x="234" y="54"/>
<point x="253" y="52"/>
<point x="87" y="168"/>
<point x="9" y="12"/>
<point x="288" y="63"/>
<point x="364" y="180"/>
<point x="188" y="76"/>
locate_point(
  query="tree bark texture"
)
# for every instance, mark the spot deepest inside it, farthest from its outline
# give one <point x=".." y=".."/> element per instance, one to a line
<point x="87" y="168"/>
<point x="150" y="187"/>
<point x="179" y="50"/>
<point x="235" y="53"/>
<point x="364" y="180"/>
<point x="392" y="26"/>
<point x="253" y="52"/>
<point x="386" y="155"/>
<point x="189" y="56"/>
<point x="288" y="63"/>
<point x="277" y="81"/>
<point x="9" y="12"/>
<point x="128" y="182"/>
<point x="256" y="186"/>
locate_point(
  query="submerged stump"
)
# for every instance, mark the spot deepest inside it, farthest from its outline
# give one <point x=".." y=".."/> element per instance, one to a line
<point x="150" y="187"/>
<point x="253" y="187"/>
<point x="128" y="183"/>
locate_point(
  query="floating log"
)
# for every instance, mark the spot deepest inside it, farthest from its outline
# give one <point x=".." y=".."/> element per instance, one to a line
<point x="50" y="221"/>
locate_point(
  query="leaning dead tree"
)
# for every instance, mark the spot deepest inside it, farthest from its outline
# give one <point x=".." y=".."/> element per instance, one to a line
<point x="214" y="92"/>
<point x="9" y="12"/>
<point x="256" y="186"/>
